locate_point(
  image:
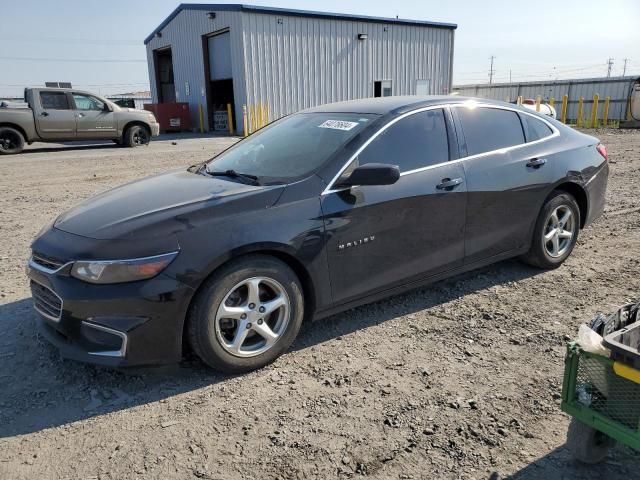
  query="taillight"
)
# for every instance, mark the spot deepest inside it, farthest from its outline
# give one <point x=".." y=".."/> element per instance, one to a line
<point x="602" y="150"/>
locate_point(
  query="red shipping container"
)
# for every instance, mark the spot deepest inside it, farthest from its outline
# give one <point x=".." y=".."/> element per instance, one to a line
<point x="172" y="117"/>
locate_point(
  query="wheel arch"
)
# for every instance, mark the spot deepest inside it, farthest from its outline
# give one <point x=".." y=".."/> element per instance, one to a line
<point x="580" y="194"/>
<point x="15" y="127"/>
<point x="281" y="252"/>
<point x="132" y="123"/>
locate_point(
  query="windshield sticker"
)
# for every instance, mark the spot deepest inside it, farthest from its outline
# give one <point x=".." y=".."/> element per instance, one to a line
<point x="339" y="125"/>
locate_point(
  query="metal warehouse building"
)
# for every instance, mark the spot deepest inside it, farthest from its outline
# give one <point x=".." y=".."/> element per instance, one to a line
<point x="278" y="61"/>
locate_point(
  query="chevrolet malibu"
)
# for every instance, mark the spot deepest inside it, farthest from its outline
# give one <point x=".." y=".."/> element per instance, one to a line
<point x="318" y="212"/>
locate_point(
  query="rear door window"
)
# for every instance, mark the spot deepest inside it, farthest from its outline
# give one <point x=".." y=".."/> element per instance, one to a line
<point x="416" y="141"/>
<point x="54" y="100"/>
<point x="488" y="129"/>
<point x="534" y="128"/>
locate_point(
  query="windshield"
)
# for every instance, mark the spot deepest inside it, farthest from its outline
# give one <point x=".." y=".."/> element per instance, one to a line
<point x="292" y="147"/>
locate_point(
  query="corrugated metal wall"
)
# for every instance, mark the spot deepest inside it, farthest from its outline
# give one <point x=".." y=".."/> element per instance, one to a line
<point x="184" y="35"/>
<point x="617" y="88"/>
<point x="298" y="62"/>
<point x="289" y="63"/>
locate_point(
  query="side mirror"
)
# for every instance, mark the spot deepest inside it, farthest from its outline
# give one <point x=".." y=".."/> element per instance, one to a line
<point x="372" y="174"/>
<point x="106" y="108"/>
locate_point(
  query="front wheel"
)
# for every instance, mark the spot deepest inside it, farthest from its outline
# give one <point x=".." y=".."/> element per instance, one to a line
<point x="11" y="141"/>
<point x="556" y="231"/>
<point x="136" y="135"/>
<point x="246" y="315"/>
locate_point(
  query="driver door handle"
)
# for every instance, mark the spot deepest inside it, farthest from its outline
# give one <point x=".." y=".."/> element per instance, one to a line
<point x="449" y="183"/>
<point x="44" y="114"/>
<point x="80" y="115"/>
<point x="536" y="162"/>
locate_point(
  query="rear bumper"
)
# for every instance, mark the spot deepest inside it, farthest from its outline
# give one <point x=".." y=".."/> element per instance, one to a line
<point x="596" y="188"/>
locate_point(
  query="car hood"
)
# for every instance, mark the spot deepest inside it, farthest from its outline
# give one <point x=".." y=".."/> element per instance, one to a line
<point x="162" y="205"/>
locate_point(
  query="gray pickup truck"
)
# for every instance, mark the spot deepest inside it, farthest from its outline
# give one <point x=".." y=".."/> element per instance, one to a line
<point x="59" y="115"/>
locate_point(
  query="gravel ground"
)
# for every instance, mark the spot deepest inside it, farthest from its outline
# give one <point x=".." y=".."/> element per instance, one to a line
<point x="458" y="380"/>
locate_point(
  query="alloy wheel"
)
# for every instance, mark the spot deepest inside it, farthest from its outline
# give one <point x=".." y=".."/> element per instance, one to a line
<point x="9" y="141"/>
<point x="252" y="317"/>
<point x="559" y="231"/>
<point x="140" y="137"/>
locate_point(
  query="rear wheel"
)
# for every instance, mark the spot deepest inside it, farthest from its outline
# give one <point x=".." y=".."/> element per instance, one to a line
<point x="556" y="231"/>
<point x="11" y="141"/>
<point x="246" y="315"/>
<point x="136" y="135"/>
<point x="587" y="444"/>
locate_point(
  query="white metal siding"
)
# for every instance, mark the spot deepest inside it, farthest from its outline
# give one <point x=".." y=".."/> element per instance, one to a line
<point x="303" y="62"/>
<point x="184" y="35"/>
<point x="617" y="88"/>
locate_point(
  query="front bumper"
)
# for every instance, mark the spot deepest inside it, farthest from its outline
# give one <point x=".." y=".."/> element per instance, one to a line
<point x="119" y="325"/>
<point x="155" y="129"/>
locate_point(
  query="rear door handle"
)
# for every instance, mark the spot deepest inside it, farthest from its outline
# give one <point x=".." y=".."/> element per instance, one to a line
<point x="536" y="162"/>
<point x="80" y="115"/>
<point x="449" y="183"/>
<point x="44" y="114"/>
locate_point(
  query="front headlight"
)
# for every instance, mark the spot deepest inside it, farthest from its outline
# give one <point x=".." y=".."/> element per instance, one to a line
<point x="120" y="271"/>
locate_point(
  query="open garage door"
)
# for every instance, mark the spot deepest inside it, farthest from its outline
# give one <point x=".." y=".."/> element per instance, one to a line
<point x="219" y="79"/>
<point x="164" y="76"/>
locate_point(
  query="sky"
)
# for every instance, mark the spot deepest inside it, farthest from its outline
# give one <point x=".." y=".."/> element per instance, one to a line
<point x="98" y="45"/>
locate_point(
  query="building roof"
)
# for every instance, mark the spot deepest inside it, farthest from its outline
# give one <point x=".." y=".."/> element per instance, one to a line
<point x="237" y="7"/>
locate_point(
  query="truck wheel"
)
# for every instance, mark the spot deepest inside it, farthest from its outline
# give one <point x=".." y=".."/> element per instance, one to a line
<point x="136" y="135"/>
<point x="11" y="141"/>
<point x="586" y="444"/>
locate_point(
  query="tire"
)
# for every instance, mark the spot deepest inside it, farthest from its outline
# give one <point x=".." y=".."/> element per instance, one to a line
<point x="541" y="253"/>
<point x="586" y="444"/>
<point x="218" y="340"/>
<point x="11" y="141"/>
<point x="136" y="135"/>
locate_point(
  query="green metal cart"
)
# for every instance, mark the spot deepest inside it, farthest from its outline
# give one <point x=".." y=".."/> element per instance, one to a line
<point x="603" y="397"/>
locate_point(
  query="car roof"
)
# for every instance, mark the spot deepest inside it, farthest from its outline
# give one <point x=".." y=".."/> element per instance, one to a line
<point x="400" y="104"/>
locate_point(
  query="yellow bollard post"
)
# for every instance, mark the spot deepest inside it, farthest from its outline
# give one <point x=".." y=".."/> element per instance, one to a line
<point x="552" y="102"/>
<point x="519" y="100"/>
<point x="230" y="118"/>
<point x="538" y="100"/>
<point x="245" y="123"/>
<point x="594" y="112"/>
<point x="605" y="113"/>
<point x="565" y="104"/>
<point x="201" y="116"/>
<point x="580" y="108"/>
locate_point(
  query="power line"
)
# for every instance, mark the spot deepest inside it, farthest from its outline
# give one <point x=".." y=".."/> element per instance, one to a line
<point x="73" y="60"/>
<point x="68" y="40"/>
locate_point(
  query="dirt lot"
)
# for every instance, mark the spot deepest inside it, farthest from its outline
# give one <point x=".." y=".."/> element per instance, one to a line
<point x="458" y="380"/>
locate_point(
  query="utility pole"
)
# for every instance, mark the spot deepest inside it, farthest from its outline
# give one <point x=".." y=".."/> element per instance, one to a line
<point x="624" y="69"/>
<point x="609" y="67"/>
<point x="491" y="72"/>
<point x="509" y="75"/>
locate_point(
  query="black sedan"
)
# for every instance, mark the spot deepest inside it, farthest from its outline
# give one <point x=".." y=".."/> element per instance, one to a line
<point x="318" y="212"/>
